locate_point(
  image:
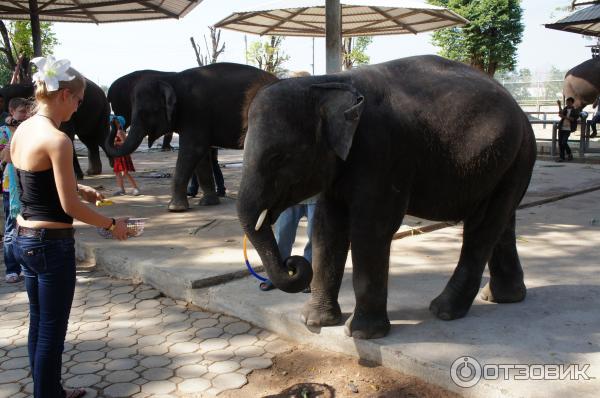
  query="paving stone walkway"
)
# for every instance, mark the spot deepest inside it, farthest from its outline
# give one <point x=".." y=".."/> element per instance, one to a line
<point x="126" y="340"/>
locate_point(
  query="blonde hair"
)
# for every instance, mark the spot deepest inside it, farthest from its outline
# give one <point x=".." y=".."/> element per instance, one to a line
<point x="76" y="84"/>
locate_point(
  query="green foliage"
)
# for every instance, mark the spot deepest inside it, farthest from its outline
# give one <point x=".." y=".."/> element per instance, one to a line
<point x="355" y="51"/>
<point x="489" y="43"/>
<point x="21" y="44"/>
<point x="268" y="55"/>
<point x="20" y="35"/>
<point x="553" y="86"/>
<point x="518" y="83"/>
<point x="523" y="86"/>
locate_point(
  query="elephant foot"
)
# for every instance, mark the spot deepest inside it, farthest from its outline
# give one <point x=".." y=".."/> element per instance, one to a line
<point x="496" y="292"/>
<point x="318" y="314"/>
<point x="93" y="172"/>
<point x="209" y="200"/>
<point x="367" y="326"/>
<point x="448" y="305"/>
<point x="178" y="205"/>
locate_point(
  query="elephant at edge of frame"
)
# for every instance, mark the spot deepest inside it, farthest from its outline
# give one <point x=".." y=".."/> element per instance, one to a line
<point x="582" y="83"/>
<point x="205" y="106"/>
<point x="89" y="122"/>
<point x="119" y="97"/>
<point x="365" y="141"/>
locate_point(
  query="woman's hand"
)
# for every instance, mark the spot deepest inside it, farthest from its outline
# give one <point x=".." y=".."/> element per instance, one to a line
<point x="89" y="194"/>
<point x="120" y="230"/>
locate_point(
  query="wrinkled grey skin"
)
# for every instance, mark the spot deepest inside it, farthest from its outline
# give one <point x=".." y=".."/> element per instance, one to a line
<point x="120" y="92"/>
<point x="582" y="83"/>
<point x="422" y="136"/>
<point x="205" y="107"/>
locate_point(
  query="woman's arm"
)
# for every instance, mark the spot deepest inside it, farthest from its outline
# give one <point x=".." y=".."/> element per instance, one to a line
<point x="61" y="157"/>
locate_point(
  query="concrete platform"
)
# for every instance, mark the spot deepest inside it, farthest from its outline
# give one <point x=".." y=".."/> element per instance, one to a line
<point x="191" y="255"/>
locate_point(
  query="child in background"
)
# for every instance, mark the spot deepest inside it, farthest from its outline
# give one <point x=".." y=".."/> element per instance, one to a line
<point x="123" y="164"/>
<point x="17" y="108"/>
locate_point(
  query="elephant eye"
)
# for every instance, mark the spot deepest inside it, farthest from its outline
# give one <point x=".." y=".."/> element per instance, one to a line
<point x="277" y="159"/>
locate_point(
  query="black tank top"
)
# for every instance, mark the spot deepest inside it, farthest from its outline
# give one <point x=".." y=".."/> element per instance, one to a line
<point x="39" y="197"/>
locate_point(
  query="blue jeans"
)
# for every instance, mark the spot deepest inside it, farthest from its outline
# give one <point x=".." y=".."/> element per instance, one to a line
<point x="49" y="269"/>
<point x="10" y="223"/>
<point x="563" y="143"/>
<point x="286" y="226"/>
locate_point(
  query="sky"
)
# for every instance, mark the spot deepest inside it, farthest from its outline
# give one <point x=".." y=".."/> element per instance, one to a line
<point x="107" y="51"/>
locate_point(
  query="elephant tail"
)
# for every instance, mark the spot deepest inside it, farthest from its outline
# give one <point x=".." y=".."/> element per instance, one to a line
<point x="262" y="81"/>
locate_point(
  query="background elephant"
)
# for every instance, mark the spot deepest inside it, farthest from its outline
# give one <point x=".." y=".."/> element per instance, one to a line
<point x="204" y="105"/>
<point x="89" y="122"/>
<point x="120" y="92"/>
<point x="583" y="83"/>
<point x="423" y="136"/>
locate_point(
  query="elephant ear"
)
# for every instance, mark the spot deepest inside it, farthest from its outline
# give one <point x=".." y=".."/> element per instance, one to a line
<point x="340" y="107"/>
<point x="168" y="93"/>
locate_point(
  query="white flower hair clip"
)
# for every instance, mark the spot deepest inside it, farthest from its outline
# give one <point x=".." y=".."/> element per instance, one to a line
<point x="51" y="71"/>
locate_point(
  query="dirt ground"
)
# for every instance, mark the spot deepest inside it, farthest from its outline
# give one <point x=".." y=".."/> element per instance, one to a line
<point x="305" y="372"/>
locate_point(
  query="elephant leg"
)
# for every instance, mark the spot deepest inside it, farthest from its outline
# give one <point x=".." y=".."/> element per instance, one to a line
<point x="370" y="260"/>
<point x="95" y="165"/>
<point x="482" y="231"/>
<point x="187" y="158"/>
<point x="330" y="242"/>
<point x="206" y="181"/>
<point x="166" y="144"/>
<point x="77" y="166"/>
<point x="506" y="283"/>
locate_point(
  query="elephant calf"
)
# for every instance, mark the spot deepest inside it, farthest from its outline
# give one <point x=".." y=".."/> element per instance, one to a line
<point x="423" y="136"/>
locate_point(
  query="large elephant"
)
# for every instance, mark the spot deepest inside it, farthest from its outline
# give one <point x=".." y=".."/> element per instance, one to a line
<point x="423" y="136"/>
<point x="120" y="92"/>
<point x="582" y="83"/>
<point x="204" y="105"/>
<point x="89" y="122"/>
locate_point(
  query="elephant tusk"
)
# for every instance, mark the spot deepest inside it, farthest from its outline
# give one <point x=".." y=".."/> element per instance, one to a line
<point x="261" y="219"/>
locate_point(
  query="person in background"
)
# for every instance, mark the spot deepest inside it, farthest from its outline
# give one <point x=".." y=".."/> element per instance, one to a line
<point x="566" y="125"/>
<point x="17" y="108"/>
<point x="49" y="196"/>
<point x="123" y="164"/>
<point x="594" y="120"/>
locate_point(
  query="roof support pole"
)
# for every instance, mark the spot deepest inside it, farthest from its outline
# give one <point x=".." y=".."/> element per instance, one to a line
<point x="36" y="33"/>
<point x="333" y="39"/>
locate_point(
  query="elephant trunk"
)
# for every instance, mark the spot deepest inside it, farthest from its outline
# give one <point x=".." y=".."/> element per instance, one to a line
<point x="292" y="275"/>
<point x="132" y="142"/>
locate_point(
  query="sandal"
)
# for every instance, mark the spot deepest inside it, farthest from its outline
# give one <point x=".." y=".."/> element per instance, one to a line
<point x="75" y="393"/>
<point x="266" y="286"/>
<point x="12" y="278"/>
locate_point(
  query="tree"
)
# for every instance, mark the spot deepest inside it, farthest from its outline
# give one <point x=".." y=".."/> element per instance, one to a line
<point x="268" y="55"/>
<point x="489" y="42"/>
<point x="354" y="51"/>
<point x="17" y="44"/>
<point x="517" y="83"/>
<point x="553" y="86"/>
<point x="217" y="48"/>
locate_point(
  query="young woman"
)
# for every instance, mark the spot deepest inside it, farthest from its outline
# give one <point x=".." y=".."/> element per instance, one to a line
<point x="43" y="159"/>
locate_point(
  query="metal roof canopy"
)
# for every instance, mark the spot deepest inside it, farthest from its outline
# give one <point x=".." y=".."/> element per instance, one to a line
<point x="91" y="11"/>
<point x="359" y="18"/>
<point x="585" y="21"/>
<point x="336" y="18"/>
